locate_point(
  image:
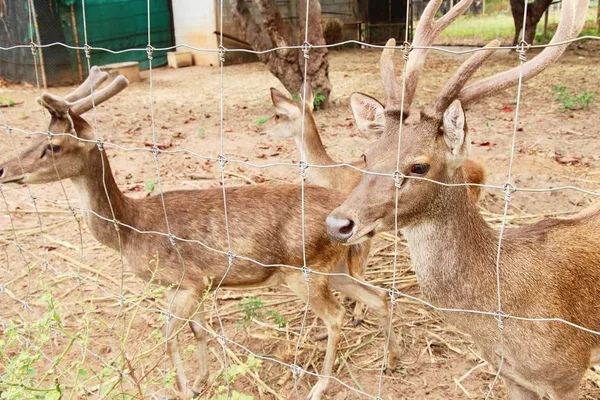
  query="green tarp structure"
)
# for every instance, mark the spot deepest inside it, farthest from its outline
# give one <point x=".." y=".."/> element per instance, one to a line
<point x="120" y="26"/>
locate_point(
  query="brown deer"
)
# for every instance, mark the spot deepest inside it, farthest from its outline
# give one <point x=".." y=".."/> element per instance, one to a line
<point x="287" y="122"/>
<point x="550" y="269"/>
<point x="259" y="227"/>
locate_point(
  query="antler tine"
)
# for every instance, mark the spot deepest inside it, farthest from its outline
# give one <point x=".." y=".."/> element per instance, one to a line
<point x="393" y="95"/>
<point x="427" y="30"/>
<point x="83" y="105"/>
<point x="95" y="78"/>
<point x="452" y="88"/>
<point x="571" y="22"/>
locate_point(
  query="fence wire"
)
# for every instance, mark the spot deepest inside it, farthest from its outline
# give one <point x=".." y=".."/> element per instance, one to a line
<point x="122" y="366"/>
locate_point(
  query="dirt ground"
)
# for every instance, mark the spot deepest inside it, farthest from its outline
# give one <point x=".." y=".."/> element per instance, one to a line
<point x="553" y="148"/>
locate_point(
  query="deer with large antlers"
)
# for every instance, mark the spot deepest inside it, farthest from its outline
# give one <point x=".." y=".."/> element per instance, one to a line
<point x="289" y="121"/>
<point x="550" y="269"/>
<point x="197" y="254"/>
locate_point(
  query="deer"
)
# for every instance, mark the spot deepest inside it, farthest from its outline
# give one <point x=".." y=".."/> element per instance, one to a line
<point x="196" y="254"/>
<point x="287" y="122"/>
<point x="549" y="269"/>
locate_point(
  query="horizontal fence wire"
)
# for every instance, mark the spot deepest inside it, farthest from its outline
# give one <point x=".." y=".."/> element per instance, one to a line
<point x="125" y="301"/>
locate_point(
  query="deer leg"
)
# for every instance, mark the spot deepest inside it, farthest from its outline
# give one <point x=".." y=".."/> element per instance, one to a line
<point x="377" y="301"/>
<point x="198" y="326"/>
<point x="182" y="303"/>
<point x="357" y="261"/>
<point x="326" y="307"/>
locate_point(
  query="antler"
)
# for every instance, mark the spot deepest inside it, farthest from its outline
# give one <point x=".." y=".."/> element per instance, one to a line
<point x="63" y="106"/>
<point x="571" y="22"/>
<point x="87" y="103"/>
<point x="452" y="88"/>
<point x="427" y="30"/>
<point x="94" y="79"/>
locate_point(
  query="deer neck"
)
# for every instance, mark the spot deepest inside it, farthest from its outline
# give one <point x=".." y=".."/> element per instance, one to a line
<point x="453" y="250"/>
<point x="99" y="195"/>
<point x="313" y="151"/>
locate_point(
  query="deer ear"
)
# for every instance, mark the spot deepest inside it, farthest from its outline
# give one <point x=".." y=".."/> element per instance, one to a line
<point x="310" y="98"/>
<point x="369" y="115"/>
<point x="455" y="132"/>
<point x="283" y="105"/>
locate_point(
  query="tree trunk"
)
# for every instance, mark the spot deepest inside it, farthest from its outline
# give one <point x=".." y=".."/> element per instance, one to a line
<point x="286" y="64"/>
<point x="318" y="63"/>
<point x="535" y="11"/>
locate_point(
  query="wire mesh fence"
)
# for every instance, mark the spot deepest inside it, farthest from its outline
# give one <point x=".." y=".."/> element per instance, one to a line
<point x="78" y="326"/>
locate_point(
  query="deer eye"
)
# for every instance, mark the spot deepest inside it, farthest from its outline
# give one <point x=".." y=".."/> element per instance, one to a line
<point x="419" y="169"/>
<point x="54" y="148"/>
<point x="276" y="117"/>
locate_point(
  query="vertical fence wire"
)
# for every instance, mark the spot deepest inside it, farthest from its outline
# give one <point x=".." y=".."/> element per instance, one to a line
<point x="508" y="190"/>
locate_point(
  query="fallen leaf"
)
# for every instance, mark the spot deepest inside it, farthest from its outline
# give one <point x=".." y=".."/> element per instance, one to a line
<point x="158" y="145"/>
<point x="507" y="108"/>
<point x="258" y="179"/>
<point x="566" y="160"/>
<point x="261" y="155"/>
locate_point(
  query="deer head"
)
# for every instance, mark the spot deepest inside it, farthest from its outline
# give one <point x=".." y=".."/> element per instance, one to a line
<point x="287" y="121"/>
<point x="434" y="149"/>
<point x="62" y="154"/>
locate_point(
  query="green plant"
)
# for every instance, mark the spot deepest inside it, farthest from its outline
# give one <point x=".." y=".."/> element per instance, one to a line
<point x="262" y="120"/>
<point x="22" y="115"/>
<point x="233" y="373"/>
<point x="7" y="102"/>
<point x="21" y="348"/>
<point x="201" y="133"/>
<point x="571" y="102"/>
<point x="251" y="308"/>
<point x="319" y="99"/>
<point x="279" y="319"/>
<point x="150" y="185"/>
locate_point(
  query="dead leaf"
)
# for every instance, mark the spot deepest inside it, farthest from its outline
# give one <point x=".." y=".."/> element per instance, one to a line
<point x="158" y="145"/>
<point x="261" y="155"/>
<point x="507" y="108"/>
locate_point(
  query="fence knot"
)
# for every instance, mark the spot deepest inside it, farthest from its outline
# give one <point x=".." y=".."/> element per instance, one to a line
<point x="306" y="273"/>
<point x="406" y="49"/>
<point x="26" y="306"/>
<point x="296" y="370"/>
<point x="222" y="51"/>
<point x="169" y="315"/>
<point x="306" y="48"/>
<point x="46" y="265"/>
<point x="150" y="52"/>
<point x="33" y="199"/>
<point x="9" y="130"/>
<point x="499" y="316"/>
<point x="398" y="179"/>
<point x="303" y="166"/>
<point x="1" y="188"/>
<point x="33" y="47"/>
<point x="1" y="288"/>
<point x="100" y="144"/>
<point x="508" y="190"/>
<point x="155" y="151"/>
<point x="121" y="300"/>
<point x="87" y="49"/>
<point x="222" y="160"/>
<point x="19" y="247"/>
<point x="393" y="293"/>
<point x="116" y="224"/>
<point x="224" y="339"/>
<point x="230" y="256"/>
<point x="522" y="48"/>
<point x="172" y="239"/>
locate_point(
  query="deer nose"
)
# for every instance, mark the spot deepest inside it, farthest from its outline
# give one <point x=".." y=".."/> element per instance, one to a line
<point x="340" y="229"/>
<point x="1" y="173"/>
